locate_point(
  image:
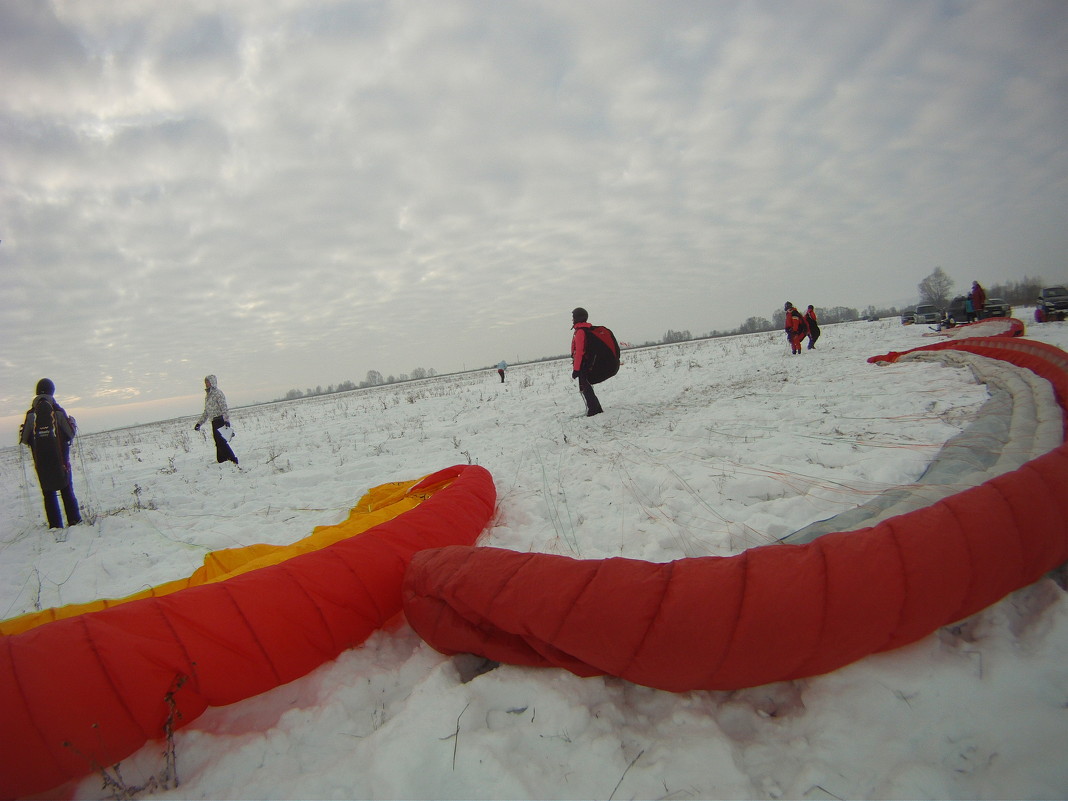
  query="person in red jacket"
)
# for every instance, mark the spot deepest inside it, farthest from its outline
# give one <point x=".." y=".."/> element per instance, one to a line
<point x="581" y="326"/>
<point x="796" y="328"/>
<point x="978" y="299"/>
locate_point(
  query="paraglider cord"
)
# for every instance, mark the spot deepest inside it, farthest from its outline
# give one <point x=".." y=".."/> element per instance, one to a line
<point x="25" y="483"/>
<point x="167" y="780"/>
<point x="90" y="500"/>
<point x="621" y="778"/>
<point x="455" y="736"/>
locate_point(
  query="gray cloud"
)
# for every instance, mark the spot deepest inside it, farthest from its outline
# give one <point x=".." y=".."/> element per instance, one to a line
<point x="291" y="194"/>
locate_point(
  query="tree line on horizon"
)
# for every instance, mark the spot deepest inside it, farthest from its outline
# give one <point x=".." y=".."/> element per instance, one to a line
<point x="373" y="379"/>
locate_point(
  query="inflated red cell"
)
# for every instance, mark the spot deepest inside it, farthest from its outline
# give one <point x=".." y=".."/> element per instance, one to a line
<point x="770" y="614"/>
<point x="87" y="691"/>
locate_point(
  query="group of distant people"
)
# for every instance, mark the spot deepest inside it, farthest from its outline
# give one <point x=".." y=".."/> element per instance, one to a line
<point x="48" y="432"/>
<point x="798" y="326"/>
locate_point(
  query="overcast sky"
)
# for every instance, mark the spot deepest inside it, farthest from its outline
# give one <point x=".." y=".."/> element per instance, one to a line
<point x="290" y="193"/>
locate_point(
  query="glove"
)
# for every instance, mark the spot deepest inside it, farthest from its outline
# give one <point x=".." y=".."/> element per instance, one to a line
<point x="574" y="373"/>
<point x="196" y="427"/>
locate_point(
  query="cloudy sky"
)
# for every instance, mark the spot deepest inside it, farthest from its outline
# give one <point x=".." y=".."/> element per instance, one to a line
<point x="289" y="193"/>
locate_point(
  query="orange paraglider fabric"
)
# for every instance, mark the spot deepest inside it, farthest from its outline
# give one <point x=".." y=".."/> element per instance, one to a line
<point x="770" y="614"/>
<point x="88" y="690"/>
<point x="378" y="505"/>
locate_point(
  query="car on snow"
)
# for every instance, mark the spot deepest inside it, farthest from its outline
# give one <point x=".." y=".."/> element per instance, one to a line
<point x="927" y="313"/>
<point x="1052" y="304"/>
<point x="996" y="307"/>
<point x="956" y="312"/>
<point x="908" y="317"/>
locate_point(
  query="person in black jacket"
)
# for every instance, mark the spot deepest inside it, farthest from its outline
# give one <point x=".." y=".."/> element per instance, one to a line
<point x="813" y="327"/>
<point x="48" y="432"/>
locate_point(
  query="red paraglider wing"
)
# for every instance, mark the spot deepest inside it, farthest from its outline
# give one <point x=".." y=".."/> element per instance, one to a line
<point x="87" y="691"/>
<point x="772" y="613"/>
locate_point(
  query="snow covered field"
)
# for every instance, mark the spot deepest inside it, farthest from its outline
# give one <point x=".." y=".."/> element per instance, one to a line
<point x="706" y="448"/>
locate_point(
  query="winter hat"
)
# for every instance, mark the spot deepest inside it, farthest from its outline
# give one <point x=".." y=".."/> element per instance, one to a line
<point x="579" y="315"/>
<point x="46" y="387"/>
<point x="788" y="305"/>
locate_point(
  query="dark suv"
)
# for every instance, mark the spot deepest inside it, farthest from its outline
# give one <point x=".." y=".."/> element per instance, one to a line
<point x="996" y="307"/>
<point x="1052" y="304"/>
<point x="956" y="313"/>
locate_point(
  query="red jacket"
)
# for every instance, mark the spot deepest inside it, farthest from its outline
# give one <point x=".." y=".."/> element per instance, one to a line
<point x="578" y="344"/>
<point x="795" y="323"/>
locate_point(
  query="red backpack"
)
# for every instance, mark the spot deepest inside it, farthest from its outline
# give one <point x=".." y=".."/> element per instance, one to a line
<point x="601" y="358"/>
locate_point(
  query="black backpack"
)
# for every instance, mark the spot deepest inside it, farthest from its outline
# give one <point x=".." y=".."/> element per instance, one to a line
<point x="601" y="359"/>
<point x="48" y="441"/>
<point x="44" y="434"/>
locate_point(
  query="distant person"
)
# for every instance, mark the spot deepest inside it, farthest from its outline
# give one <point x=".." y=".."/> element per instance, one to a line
<point x="501" y="367"/>
<point x="795" y="327"/>
<point x="813" y="327"/>
<point x="218" y="412"/>
<point x="594" y="357"/>
<point x="48" y="431"/>
<point x="978" y="299"/>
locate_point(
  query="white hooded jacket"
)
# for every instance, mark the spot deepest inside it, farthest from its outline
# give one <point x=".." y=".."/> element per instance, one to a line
<point x="214" y="403"/>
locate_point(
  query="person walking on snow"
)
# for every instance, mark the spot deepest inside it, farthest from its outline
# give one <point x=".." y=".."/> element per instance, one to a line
<point x="48" y="431"/>
<point x="218" y="412"/>
<point x="581" y="327"/>
<point x="795" y="327"/>
<point x="501" y="367"/>
<point x="813" y="327"/>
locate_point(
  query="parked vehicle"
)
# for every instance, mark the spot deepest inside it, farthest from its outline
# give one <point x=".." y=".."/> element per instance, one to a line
<point x="908" y="317"/>
<point x="996" y="307"/>
<point x="927" y="313"/>
<point x="956" y="313"/>
<point x="1052" y="304"/>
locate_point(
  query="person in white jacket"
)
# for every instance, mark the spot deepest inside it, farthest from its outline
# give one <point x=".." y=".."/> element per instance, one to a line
<point x="216" y="410"/>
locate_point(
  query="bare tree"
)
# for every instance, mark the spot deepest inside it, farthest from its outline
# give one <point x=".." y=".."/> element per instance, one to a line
<point x="935" y="288"/>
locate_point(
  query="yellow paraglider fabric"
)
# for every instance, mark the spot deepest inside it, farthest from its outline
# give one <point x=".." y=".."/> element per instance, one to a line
<point x="378" y="505"/>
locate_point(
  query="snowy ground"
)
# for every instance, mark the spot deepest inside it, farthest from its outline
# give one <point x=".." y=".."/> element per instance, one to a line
<point x="705" y="448"/>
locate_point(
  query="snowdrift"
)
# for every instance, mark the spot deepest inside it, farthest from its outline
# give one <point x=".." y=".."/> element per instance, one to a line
<point x="773" y="613"/>
<point x="87" y="689"/>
